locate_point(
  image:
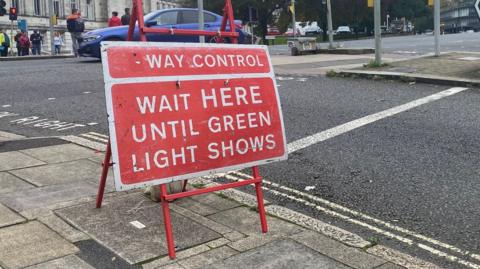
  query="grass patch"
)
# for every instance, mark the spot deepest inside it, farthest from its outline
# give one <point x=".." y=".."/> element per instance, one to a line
<point x="198" y="185"/>
<point x="374" y="64"/>
<point x="331" y="73"/>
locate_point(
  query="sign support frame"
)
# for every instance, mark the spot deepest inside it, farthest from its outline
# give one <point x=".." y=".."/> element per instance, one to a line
<point x="165" y="198"/>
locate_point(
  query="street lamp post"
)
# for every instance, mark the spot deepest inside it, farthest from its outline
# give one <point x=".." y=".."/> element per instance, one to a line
<point x="436" y="14"/>
<point x="378" y="34"/>
<point x="201" y="20"/>
<point x="330" y="24"/>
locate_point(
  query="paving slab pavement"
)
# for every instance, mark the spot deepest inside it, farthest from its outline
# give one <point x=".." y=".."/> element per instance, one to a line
<point x="31" y="243"/>
<point x="453" y="68"/>
<point x="54" y="224"/>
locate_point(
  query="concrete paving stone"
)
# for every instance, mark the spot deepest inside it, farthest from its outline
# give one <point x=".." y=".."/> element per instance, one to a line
<point x="218" y="242"/>
<point x="195" y="206"/>
<point x="47" y="196"/>
<point x="8" y="217"/>
<point x="254" y="241"/>
<point x="180" y="255"/>
<point x="334" y="232"/>
<point x="348" y="255"/>
<point x="31" y="243"/>
<point x="111" y="226"/>
<point x="281" y="254"/>
<point x="61" y="173"/>
<point x="215" y="201"/>
<point x="64" y="229"/>
<point x="60" y="153"/>
<point x="389" y="265"/>
<point x="35" y="213"/>
<point x="247" y="221"/>
<point x="217" y="227"/>
<point x="172" y="266"/>
<point x="206" y="258"/>
<point x="101" y="257"/>
<point x="15" y="160"/>
<point x="10" y="183"/>
<point x="70" y="262"/>
<point x="234" y="236"/>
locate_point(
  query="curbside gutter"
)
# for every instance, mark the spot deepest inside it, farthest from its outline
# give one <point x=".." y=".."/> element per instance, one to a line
<point x="408" y="77"/>
<point x="40" y="57"/>
<point x="346" y="51"/>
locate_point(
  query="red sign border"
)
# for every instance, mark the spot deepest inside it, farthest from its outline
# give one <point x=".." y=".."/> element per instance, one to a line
<point x="109" y="82"/>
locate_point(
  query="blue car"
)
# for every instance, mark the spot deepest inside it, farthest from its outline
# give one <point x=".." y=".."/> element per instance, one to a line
<point x="178" y="18"/>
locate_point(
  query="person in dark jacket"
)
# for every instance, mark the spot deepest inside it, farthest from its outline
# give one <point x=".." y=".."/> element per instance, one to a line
<point x="75" y="26"/>
<point x="36" y="40"/>
<point x="17" y="43"/>
<point x="126" y="17"/>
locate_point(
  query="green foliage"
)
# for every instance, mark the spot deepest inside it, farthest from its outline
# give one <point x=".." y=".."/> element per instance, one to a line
<point x="353" y="13"/>
<point x="374" y="64"/>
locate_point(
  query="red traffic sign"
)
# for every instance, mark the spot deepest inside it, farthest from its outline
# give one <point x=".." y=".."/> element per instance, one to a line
<point x="178" y="110"/>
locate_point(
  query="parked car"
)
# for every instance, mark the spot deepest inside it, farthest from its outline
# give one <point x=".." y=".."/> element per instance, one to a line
<point x="273" y="30"/>
<point x="178" y="18"/>
<point x="343" y="30"/>
<point x="312" y="28"/>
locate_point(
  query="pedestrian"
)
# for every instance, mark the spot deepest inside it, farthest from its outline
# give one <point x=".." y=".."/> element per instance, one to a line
<point x="75" y="26"/>
<point x="126" y="17"/>
<point x="114" y="20"/>
<point x="36" y="40"/>
<point x="17" y="43"/>
<point x="57" y="42"/>
<point x="24" y="44"/>
<point x="4" y="43"/>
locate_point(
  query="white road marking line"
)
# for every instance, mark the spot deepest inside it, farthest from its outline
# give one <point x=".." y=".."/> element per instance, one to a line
<point x="92" y="123"/>
<point x="87" y="92"/>
<point x="366" y="225"/>
<point x="51" y="98"/>
<point x="346" y="127"/>
<point x="99" y="135"/>
<point x="366" y="217"/>
<point x="6" y="105"/>
<point x="94" y="138"/>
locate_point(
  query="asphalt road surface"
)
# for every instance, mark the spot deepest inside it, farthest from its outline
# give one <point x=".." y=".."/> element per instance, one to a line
<point x="393" y="162"/>
<point x="409" y="45"/>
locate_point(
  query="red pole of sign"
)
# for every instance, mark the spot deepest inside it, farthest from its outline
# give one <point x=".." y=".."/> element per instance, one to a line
<point x="261" y="206"/>
<point x="103" y="178"/>
<point x="167" y="221"/>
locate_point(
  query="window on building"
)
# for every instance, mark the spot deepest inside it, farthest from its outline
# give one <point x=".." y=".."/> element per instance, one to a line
<point x="73" y="4"/>
<point x="58" y="8"/>
<point x="15" y="4"/>
<point x="88" y="9"/>
<point x="37" y="10"/>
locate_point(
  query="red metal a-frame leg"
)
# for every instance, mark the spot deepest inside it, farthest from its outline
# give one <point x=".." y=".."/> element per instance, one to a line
<point x="103" y="179"/>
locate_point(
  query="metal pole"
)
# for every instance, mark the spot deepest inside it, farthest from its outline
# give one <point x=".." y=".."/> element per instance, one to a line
<point x="378" y="33"/>
<point x="11" y="39"/>
<point x="201" y="20"/>
<point x="330" y="24"/>
<point x="294" y="22"/>
<point x="436" y="15"/>
<point x="50" y="12"/>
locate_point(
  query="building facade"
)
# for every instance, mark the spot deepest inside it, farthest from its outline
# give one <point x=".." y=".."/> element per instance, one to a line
<point x="460" y="15"/>
<point x="95" y="12"/>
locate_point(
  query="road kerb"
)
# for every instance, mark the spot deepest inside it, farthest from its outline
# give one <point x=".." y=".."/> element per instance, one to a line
<point x="407" y="77"/>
